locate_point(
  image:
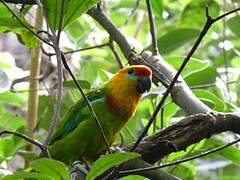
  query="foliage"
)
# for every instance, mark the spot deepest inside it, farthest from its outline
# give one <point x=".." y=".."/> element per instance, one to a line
<point x="105" y="162"/>
<point x="178" y="24"/>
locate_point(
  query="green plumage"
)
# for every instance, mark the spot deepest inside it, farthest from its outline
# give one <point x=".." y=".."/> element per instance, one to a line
<point x="78" y="136"/>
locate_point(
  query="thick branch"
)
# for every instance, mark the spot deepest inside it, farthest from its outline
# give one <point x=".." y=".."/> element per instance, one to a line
<point x="185" y="133"/>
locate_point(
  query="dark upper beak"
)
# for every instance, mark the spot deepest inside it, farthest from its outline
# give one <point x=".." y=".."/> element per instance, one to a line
<point x="143" y="84"/>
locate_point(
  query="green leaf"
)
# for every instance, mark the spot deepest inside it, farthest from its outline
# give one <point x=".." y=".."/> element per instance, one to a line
<point x="28" y="39"/>
<point x="27" y="155"/>
<point x="8" y="23"/>
<point x="107" y="161"/>
<point x="235" y="62"/>
<point x="46" y="109"/>
<point x="104" y="75"/>
<point x="158" y="8"/>
<point x="55" y="169"/>
<point x="32" y="175"/>
<point x="194" y="15"/>
<point x="233" y="25"/>
<point x="199" y="78"/>
<point x="186" y="171"/>
<point x="176" y="39"/>
<point x="232" y="153"/>
<point x="78" y="30"/>
<point x="11" y="121"/>
<point x="6" y="147"/>
<point x="194" y="65"/>
<point x="219" y="105"/>
<point x="72" y="10"/>
<point x="12" y="98"/>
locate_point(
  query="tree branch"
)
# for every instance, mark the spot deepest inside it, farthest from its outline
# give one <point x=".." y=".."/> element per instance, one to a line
<point x="30" y="140"/>
<point x="186" y="132"/>
<point x="152" y="29"/>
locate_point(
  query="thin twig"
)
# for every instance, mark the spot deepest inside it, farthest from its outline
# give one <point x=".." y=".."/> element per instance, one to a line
<point x="187" y="154"/>
<point x="162" y="117"/>
<point x="132" y="12"/>
<point x="180" y="161"/>
<point x="25" y="137"/>
<point x="152" y="29"/>
<point x="226" y="14"/>
<point x="112" y="47"/>
<point x="202" y="86"/>
<point x="77" y="50"/>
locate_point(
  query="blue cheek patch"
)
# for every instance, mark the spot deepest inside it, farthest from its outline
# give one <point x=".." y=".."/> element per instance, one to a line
<point x="132" y="76"/>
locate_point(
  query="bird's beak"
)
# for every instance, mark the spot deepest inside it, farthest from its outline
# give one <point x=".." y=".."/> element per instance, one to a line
<point x="143" y="84"/>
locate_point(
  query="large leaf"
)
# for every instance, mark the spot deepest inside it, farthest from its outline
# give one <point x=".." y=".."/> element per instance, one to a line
<point x="105" y="162"/>
<point x="72" y="10"/>
<point x="194" y="13"/>
<point x="6" y="147"/>
<point x="55" y="169"/>
<point x="11" y="98"/>
<point x="158" y="8"/>
<point x="199" y="78"/>
<point x="232" y="153"/>
<point x="233" y="24"/>
<point x="8" y="23"/>
<point x="219" y="105"/>
<point x="186" y="171"/>
<point x="176" y="39"/>
<point x="11" y="121"/>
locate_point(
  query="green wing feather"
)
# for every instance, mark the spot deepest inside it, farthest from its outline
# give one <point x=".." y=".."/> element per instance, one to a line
<point x="74" y="117"/>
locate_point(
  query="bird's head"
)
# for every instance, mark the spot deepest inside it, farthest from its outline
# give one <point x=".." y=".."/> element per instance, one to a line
<point x="125" y="89"/>
<point x="132" y="79"/>
<point x="138" y="75"/>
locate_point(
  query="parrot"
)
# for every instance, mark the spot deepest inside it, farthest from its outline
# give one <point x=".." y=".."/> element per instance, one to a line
<point x="77" y="137"/>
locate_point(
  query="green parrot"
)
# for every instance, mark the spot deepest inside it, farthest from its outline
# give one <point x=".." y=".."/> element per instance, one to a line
<point x="78" y="136"/>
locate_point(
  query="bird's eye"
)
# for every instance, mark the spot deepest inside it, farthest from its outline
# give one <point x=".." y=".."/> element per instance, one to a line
<point x="131" y="71"/>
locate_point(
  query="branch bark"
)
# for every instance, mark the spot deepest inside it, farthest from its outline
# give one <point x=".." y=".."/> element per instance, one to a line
<point x="186" y="132"/>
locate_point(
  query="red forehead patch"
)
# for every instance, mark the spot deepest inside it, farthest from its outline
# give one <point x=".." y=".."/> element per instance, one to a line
<point x="141" y="70"/>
